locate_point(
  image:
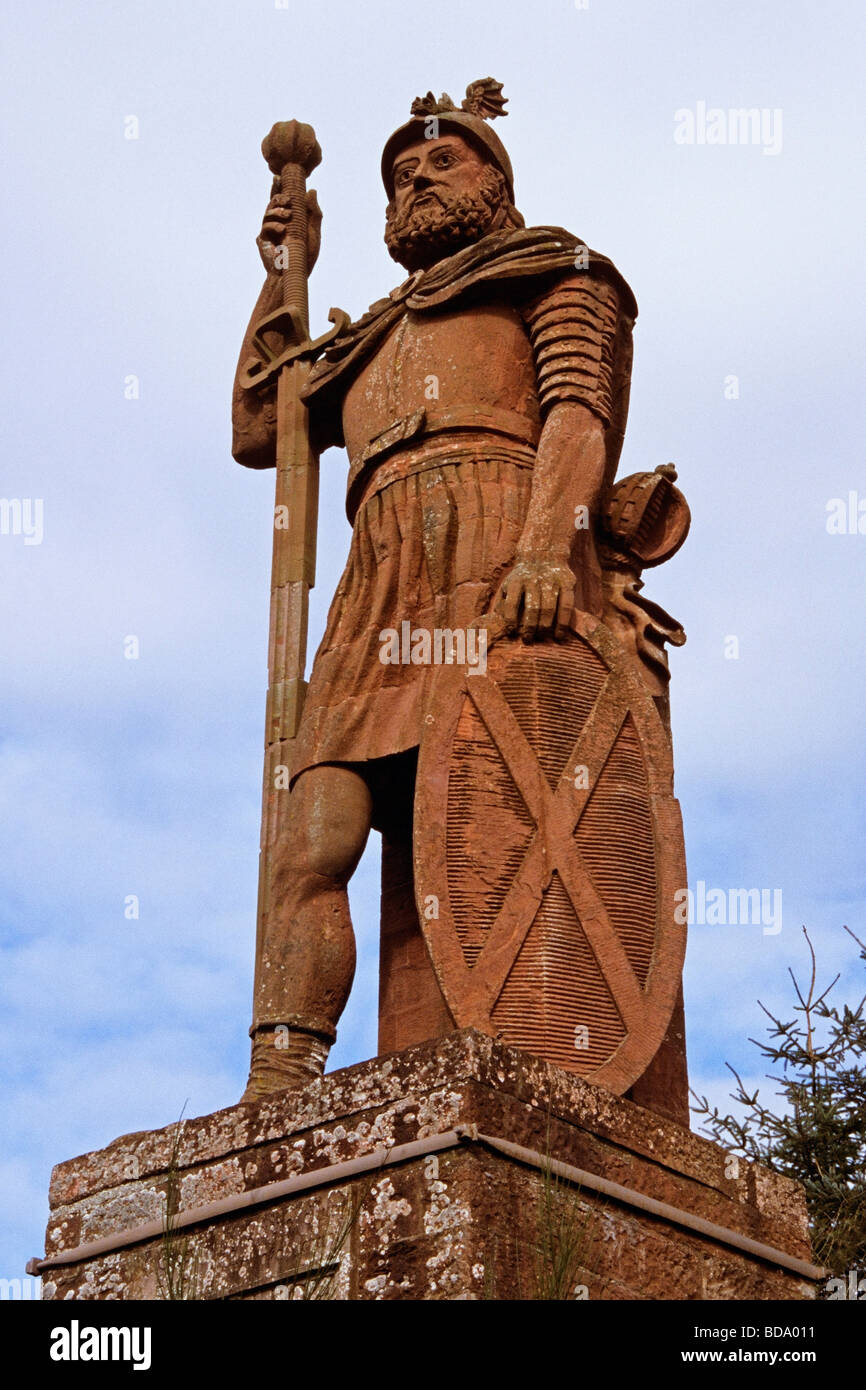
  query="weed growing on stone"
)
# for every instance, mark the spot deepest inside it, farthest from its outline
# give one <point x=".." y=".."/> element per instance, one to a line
<point x="548" y="1266"/>
<point x="177" y="1272"/>
<point x="317" y="1267"/>
<point x="566" y="1232"/>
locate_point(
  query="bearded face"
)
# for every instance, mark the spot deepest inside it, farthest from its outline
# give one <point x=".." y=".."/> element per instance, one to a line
<point x="445" y="197"/>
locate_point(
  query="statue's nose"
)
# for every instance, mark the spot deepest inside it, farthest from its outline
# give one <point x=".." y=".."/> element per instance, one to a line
<point x="421" y="180"/>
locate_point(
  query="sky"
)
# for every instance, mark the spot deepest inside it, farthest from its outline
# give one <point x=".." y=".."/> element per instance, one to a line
<point x="130" y="273"/>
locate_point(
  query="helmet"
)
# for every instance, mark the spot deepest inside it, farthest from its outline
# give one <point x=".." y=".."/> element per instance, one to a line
<point x="483" y="102"/>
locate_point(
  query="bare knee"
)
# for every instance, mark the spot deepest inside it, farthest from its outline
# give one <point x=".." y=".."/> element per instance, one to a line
<point x="328" y="822"/>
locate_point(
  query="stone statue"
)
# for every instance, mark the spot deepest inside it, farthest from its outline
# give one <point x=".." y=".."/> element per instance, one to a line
<point x="490" y="615"/>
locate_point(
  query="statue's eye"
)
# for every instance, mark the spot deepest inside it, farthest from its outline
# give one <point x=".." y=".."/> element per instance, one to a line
<point x="444" y="159"/>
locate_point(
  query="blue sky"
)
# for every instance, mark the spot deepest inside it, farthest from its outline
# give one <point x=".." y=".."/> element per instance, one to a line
<point x="137" y="257"/>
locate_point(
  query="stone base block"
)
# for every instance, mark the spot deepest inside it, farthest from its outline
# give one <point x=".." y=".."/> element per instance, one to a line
<point x="456" y="1169"/>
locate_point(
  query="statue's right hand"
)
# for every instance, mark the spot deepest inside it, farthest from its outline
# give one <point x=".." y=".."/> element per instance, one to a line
<point x="275" y="224"/>
<point x="275" y="229"/>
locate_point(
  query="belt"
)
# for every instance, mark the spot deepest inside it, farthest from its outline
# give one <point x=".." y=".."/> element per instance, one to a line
<point x="424" y="423"/>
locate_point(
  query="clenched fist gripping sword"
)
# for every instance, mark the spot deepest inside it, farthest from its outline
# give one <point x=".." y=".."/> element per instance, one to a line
<point x="292" y="152"/>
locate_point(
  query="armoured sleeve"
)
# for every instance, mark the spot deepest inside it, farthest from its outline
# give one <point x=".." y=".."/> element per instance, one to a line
<point x="574" y="327"/>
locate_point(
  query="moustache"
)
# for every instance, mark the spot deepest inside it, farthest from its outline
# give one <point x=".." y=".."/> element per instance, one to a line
<point x="426" y="193"/>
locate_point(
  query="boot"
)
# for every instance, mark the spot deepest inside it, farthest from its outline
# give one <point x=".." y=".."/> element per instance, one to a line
<point x="287" y="1057"/>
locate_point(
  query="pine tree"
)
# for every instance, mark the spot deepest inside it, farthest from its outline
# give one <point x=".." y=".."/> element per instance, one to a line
<point x="817" y="1134"/>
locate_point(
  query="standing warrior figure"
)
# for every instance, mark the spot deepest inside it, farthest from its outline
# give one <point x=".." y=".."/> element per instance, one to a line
<point x="483" y="406"/>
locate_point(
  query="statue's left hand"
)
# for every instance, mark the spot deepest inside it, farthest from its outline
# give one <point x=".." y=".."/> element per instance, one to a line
<point x="536" y="598"/>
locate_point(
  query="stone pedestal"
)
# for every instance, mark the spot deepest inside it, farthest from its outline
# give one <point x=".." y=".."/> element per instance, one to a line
<point x="427" y="1175"/>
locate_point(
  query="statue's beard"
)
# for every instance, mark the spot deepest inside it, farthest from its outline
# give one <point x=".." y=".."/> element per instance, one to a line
<point x="420" y="236"/>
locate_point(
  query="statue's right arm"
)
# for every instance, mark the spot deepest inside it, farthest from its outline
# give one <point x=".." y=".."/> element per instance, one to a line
<point x="254" y="413"/>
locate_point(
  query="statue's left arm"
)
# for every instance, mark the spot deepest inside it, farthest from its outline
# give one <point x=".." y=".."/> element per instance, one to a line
<point x="577" y="336"/>
<point x="556" y="566"/>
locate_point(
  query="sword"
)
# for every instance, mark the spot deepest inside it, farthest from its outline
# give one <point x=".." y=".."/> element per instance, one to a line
<point x="292" y="152"/>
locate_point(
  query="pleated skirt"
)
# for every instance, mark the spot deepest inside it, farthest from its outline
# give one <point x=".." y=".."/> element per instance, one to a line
<point x="429" y="549"/>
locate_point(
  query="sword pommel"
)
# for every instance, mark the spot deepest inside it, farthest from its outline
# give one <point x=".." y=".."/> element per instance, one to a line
<point x="291" y="142"/>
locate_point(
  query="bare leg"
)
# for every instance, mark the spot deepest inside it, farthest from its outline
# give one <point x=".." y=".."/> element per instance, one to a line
<point x="308" y="960"/>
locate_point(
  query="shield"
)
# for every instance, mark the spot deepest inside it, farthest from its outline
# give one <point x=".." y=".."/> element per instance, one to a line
<point x="548" y="853"/>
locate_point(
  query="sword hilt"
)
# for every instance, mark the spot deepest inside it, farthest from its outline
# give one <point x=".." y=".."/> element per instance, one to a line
<point x="292" y="152"/>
